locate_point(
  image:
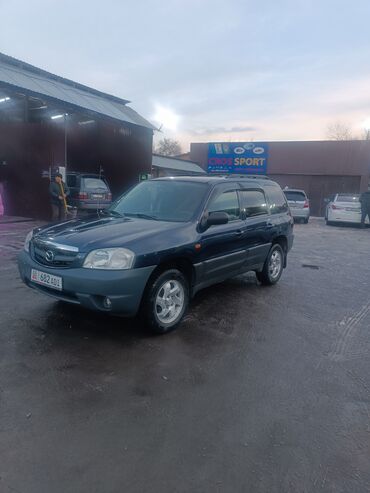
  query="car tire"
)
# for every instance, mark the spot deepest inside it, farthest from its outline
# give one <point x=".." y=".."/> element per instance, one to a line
<point x="273" y="267"/>
<point x="306" y="220"/>
<point x="165" y="302"/>
<point x="329" y="223"/>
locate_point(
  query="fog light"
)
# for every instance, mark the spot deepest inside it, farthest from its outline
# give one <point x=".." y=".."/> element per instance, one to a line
<point x="107" y="303"/>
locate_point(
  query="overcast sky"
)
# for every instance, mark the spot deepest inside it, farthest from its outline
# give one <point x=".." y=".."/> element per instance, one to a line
<point x="208" y="69"/>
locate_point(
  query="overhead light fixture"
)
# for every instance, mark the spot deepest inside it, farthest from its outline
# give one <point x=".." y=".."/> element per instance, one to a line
<point x="2" y="100"/>
<point x="55" y="117"/>
<point x="86" y="122"/>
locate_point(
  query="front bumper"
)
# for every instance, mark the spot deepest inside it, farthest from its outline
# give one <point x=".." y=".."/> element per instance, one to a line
<point x="89" y="287"/>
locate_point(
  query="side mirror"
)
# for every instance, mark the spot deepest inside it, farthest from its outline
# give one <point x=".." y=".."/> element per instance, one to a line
<point x="216" y="218"/>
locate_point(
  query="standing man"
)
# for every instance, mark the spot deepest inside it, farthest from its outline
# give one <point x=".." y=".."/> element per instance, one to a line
<point x="365" y="207"/>
<point x="58" y="193"/>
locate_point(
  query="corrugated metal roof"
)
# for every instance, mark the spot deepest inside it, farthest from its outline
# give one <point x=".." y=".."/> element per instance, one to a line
<point x="176" y="164"/>
<point x="22" y="76"/>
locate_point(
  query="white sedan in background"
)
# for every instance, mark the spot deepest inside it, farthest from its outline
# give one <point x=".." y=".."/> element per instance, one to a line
<point x="344" y="208"/>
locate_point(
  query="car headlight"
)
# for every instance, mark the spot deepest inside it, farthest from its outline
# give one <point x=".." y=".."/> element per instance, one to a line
<point x="110" y="258"/>
<point x="27" y="241"/>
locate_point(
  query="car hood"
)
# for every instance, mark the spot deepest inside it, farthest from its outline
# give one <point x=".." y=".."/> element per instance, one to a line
<point x="105" y="232"/>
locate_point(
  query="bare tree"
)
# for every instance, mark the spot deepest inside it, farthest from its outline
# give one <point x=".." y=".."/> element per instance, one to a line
<point x="339" y="131"/>
<point x="168" y="147"/>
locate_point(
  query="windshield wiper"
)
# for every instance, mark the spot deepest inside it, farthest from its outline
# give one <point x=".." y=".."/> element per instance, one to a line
<point x="142" y="215"/>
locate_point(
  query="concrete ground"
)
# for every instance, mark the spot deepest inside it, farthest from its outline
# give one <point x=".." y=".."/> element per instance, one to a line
<point x="260" y="390"/>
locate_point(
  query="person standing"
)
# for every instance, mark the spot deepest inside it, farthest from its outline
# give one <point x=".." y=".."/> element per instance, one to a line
<point x="58" y="193"/>
<point x="365" y="207"/>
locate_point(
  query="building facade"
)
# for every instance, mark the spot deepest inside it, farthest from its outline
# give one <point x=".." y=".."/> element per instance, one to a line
<point x="321" y="168"/>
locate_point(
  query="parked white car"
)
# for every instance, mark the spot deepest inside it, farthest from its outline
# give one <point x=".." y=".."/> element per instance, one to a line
<point x="344" y="208"/>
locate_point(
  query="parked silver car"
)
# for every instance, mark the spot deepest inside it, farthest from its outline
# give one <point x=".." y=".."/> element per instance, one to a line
<point x="88" y="191"/>
<point x="298" y="203"/>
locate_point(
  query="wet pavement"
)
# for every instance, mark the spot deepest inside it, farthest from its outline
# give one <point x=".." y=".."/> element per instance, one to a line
<point x="259" y="390"/>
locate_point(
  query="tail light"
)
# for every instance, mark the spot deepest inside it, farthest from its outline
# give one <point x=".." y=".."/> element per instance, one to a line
<point x="306" y="204"/>
<point x="82" y="196"/>
<point x="336" y="208"/>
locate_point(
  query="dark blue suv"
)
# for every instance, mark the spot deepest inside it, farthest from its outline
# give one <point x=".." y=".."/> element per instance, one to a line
<point x="160" y="243"/>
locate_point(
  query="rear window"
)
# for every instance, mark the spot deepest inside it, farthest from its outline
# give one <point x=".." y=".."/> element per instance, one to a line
<point x="347" y="198"/>
<point x="295" y="196"/>
<point x="94" y="183"/>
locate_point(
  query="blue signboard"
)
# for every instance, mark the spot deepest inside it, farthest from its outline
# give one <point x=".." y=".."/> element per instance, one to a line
<point x="238" y="157"/>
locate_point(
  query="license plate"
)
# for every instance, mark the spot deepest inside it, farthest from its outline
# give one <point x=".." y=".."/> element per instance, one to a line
<point x="46" y="279"/>
<point x="97" y="196"/>
<point x="349" y="209"/>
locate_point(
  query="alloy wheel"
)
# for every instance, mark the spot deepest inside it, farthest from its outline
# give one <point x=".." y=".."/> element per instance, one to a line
<point x="170" y="301"/>
<point x="275" y="264"/>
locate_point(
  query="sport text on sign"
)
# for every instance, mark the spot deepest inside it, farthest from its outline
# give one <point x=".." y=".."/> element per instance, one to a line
<point x="238" y="157"/>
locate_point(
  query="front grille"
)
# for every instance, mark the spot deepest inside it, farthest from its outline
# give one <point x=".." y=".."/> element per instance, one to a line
<point x="52" y="255"/>
<point x="55" y="263"/>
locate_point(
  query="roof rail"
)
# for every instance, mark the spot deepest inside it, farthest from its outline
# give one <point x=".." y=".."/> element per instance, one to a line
<point x="235" y="175"/>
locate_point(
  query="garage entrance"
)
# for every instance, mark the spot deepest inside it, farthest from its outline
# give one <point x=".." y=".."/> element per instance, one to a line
<point x="47" y="121"/>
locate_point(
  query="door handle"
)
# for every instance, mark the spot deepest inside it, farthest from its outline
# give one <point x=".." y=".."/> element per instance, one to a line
<point x="238" y="232"/>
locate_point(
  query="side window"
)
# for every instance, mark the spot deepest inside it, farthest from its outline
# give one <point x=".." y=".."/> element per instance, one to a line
<point x="277" y="200"/>
<point x="226" y="202"/>
<point x="254" y="203"/>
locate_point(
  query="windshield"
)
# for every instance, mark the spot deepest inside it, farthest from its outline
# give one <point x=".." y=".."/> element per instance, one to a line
<point x="295" y="196"/>
<point x="347" y="198"/>
<point x="162" y="200"/>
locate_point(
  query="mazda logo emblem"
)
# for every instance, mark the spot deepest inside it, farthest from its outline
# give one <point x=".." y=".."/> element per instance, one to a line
<point x="49" y="255"/>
